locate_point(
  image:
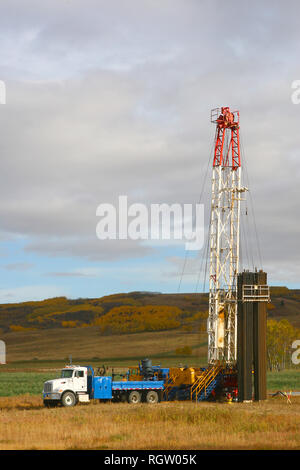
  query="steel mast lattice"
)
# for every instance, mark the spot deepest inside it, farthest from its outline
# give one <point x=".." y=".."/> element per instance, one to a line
<point x="224" y="237"/>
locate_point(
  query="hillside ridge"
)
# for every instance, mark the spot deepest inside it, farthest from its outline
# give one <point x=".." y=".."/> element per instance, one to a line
<point x="132" y="312"/>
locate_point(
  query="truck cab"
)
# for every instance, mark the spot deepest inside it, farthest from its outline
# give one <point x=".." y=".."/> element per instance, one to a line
<point x="71" y="387"/>
<point x="78" y="376"/>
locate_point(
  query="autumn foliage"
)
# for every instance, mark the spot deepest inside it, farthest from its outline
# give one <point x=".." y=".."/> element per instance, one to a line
<point x="280" y="337"/>
<point x="113" y="314"/>
<point x="132" y="319"/>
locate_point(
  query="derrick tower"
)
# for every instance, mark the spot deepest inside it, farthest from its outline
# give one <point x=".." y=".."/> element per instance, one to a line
<point x="224" y="237"/>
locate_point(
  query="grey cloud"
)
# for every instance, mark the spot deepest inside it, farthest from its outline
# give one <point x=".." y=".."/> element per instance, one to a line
<point x="89" y="248"/>
<point x="18" y="266"/>
<point x="104" y="100"/>
<point x="66" y="274"/>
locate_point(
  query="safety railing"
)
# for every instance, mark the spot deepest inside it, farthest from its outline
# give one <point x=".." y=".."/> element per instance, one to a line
<point x="256" y="293"/>
<point x="205" y="380"/>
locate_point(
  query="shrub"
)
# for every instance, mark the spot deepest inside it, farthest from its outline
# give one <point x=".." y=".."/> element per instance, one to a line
<point x="185" y="351"/>
<point x="69" y="324"/>
<point x="20" y="328"/>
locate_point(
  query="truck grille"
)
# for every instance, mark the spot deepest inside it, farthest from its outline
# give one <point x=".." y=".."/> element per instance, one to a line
<point x="48" y="387"/>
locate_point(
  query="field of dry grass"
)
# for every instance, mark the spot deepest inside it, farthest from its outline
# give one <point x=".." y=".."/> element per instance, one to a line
<point x="274" y="424"/>
<point x="26" y="424"/>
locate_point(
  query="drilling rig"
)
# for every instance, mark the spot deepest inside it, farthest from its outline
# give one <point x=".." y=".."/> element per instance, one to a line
<point x="236" y="323"/>
<point x="224" y="237"/>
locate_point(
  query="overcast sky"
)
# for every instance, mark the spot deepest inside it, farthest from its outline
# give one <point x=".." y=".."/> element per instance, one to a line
<point x="113" y="98"/>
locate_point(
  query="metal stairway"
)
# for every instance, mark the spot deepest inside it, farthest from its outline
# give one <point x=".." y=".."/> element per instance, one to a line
<point x="206" y="383"/>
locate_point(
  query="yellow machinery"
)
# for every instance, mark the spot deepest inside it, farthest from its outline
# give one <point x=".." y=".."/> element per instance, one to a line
<point x="192" y="383"/>
<point x="186" y="383"/>
<point x="180" y="377"/>
<point x="184" y="376"/>
<point x="134" y="373"/>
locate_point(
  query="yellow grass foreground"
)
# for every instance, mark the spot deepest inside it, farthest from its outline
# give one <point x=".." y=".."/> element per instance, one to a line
<point x="26" y="424"/>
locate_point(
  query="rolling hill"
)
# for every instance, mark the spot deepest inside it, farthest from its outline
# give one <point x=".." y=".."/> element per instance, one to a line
<point x="121" y="325"/>
<point x="131" y="312"/>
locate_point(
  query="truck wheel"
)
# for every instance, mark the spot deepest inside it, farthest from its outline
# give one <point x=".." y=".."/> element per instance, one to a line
<point x="123" y="398"/>
<point x="134" y="397"/>
<point x="68" y="399"/>
<point x="152" y="397"/>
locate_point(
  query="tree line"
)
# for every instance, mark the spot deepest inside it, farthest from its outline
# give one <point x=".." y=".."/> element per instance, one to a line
<point x="280" y="337"/>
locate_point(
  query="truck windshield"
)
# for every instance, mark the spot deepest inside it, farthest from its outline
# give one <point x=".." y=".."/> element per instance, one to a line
<point x="66" y="374"/>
